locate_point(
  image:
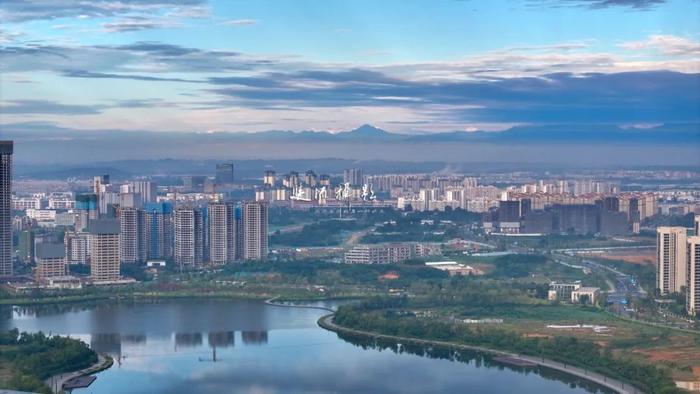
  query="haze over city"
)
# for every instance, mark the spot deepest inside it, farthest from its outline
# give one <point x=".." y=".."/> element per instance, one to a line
<point x="119" y="71"/>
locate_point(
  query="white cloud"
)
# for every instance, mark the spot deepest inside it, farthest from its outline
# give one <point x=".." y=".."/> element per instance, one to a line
<point x="665" y="44"/>
<point x="7" y="36"/>
<point x="240" y="22"/>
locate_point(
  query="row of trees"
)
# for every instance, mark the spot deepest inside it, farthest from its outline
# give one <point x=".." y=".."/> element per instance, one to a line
<point x="35" y="357"/>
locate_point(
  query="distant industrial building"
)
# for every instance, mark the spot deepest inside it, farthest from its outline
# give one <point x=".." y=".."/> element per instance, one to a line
<point x="392" y="253"/>
<point x="562" y="291"/>
<point x="454" y="268"/>
<point x="585" y="295"/>
<point x="538" y="222"/>
<point x="576" y="218"/>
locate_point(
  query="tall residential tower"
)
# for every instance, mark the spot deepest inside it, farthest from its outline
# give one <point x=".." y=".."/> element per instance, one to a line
<point x="6" y="149"/>
<point x="188" y="224"/>
<point x="132" y="235"/>
<point x="671" y="259"/>
<point x="693" y="291"/>
<point x="222" y="233"/>
<point x="104" y="250"/>
<point x="254" y="230"/>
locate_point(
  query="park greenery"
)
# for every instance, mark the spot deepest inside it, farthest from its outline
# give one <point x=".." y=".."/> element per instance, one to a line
<point x="321" y="233"/>
<point x="385" y="316"/>
<point x="26" y="360"/>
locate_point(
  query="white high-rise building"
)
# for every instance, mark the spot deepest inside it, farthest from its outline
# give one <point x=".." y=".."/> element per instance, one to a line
<point x="77" y="246"/>
<point x="189" y="237"/>
<point x="671" y="259"/>
<point x="254" y="230"/>
<point x="132" y="235"/>
<point x="697" y="225"/>
<point x="148" y="190"/>
<point x="693" y="284"/>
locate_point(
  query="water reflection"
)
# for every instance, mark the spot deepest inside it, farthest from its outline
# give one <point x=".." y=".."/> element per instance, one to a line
<point x="254" y="337"/>
<point x="215" y="346"/>
<point x="221" y="339"/>
<point x="469" y="357"/>
<point x="107" y="343"/>
<point x="188" y="339"/>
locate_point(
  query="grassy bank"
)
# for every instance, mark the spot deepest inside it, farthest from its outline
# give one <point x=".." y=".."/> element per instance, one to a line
<point x="26" y="360"/>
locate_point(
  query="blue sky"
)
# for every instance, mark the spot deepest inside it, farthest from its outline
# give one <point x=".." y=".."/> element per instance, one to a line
<point x="406" y="66"/>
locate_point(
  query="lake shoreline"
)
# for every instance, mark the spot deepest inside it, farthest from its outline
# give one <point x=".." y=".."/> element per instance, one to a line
<point x="326" y="322"/>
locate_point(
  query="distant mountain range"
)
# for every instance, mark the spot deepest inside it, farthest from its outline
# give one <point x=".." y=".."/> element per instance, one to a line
<point x="555" y="145"/>
<point x="668" y="134"/>
<point x="663" y="134"/>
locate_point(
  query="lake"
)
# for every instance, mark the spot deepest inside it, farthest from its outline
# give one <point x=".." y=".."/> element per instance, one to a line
<point x="237" y="346"/>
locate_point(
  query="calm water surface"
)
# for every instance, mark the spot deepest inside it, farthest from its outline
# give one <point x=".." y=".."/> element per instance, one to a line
<point x="225" y="346"/>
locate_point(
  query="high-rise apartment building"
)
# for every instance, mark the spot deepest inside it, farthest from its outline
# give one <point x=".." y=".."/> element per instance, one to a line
<point x="270" y="178"/>
<point x="693" y="275"/>
<point x="132" y="235"/>
<point x="291" y="180"/>
<point x="353" y="176"/>
<point x="188" y="224"/>
<point x="222" y="233"/>
<point x="310" y="178"/>
<point x="25" y="253"/>
<point x="671" y="259"/>
<point x="194" y="183"/>
<point x="86" y="208"/>
<point x="6" y="149"/>
<point x="100" y="184"/>
<point x="104" y="250"/>
<point x="50" y="261"/>
<point x="147" y="189"/>
<point x="254" y="230"/>
<point x="224" y="174"/>
<point x="697" y="225"/>
<point x="77" y="247"/>
<point x="159" y="230"/>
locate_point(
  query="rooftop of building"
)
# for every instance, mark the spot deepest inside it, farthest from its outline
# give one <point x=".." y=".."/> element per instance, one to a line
<point x="50" y="251"/>
<point x="588" y="289"/>
<point x="6" y="147"/>
<point x="103" y="226"/>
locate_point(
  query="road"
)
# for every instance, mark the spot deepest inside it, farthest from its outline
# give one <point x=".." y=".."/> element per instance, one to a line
<point x="622" y="286"/>
<point x="56" y="382"/>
